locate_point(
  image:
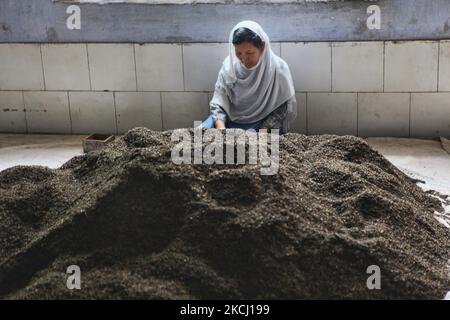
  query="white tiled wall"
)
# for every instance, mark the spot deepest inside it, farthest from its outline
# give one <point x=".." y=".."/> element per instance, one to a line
<point x="357" y="66"/>
<point x="65" y="67"/>
<point x="430" y="114"/>
<point x="332" y="113"/>
<point x="411" y="66"/>
<point x="21" y="67"/>
<point x="92" y="112"/>
<point x="360" y="88"/>
<point x="138" y="109"/>
<point x="112" y="67"/>
<point x="444" y="66"/>
<point x="383" y="114"/>
<point x="181" y="109"/>
<point x="202" y="63"/>
<point x="299" y="124"/>
<point x="12" y="117"/>
<point x="47" y="111"/>
<point x="310" y="65"/>
<point x="159" y="67"/>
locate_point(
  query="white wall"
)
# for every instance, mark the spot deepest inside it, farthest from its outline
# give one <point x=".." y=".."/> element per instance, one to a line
<point x="360" y="88"/>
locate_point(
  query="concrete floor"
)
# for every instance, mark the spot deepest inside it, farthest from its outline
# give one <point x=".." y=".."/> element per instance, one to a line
<point x="426" y="160"/>
<point x="38" y="149"/>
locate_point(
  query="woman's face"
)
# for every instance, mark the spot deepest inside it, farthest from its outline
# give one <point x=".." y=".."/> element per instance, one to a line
<point x="248" y="54"/>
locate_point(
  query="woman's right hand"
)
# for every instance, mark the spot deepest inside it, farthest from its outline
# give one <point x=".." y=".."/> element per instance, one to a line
<point x="219" y="124"/>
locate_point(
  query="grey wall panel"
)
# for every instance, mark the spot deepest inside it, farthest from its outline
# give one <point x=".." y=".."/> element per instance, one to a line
<point x="45" y="21"/>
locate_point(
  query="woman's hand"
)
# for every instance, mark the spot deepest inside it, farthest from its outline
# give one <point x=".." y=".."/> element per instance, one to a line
<point x="219" y="124"/>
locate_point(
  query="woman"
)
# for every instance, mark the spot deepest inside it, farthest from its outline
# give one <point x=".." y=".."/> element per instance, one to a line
<point x="254" y="89"/>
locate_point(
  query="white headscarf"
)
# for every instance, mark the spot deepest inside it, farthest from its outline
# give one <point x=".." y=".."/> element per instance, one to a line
<point x="254" y="93"/>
